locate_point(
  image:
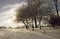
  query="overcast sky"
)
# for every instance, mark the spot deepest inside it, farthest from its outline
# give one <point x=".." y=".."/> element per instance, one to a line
<point x="8" y="2"/>
<point x="7" y="12"/>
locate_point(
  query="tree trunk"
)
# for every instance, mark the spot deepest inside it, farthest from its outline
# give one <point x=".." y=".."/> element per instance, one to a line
<point x="26" y="25"/>
<point x="56" y="5"/>
<point x="39" y="23"/>
<point x="32" y="25"/>
<point x="35" y="21"/>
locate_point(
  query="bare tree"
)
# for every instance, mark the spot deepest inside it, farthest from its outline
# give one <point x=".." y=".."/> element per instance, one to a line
<point x="33" y="10"/>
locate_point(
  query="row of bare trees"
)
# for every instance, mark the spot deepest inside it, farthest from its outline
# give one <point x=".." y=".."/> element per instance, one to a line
<point x="33" y="12"/>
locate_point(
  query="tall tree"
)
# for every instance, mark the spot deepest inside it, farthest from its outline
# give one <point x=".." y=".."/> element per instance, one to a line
<point x="56" y="5"/>
<point x="33" y="10"/>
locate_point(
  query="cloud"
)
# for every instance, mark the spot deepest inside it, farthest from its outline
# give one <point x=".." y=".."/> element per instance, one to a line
<point x="12" y="11"/>
<point x="9" y="15"/>
<point x="7" y="6"/>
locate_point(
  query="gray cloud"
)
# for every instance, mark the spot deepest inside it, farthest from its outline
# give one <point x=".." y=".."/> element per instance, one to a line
<point x="9" y="15"/>
<point x="9" y="2"/>
<point x="3" y="3"/>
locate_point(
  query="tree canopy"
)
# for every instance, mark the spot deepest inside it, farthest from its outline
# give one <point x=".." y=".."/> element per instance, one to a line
<point x="33" y="9"/>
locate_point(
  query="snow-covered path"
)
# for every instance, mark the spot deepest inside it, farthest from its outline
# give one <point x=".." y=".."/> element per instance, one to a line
<point x="22" y="34"/>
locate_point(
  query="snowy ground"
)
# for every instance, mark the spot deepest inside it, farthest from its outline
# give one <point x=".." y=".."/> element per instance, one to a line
<point x="49" y="31"/>
<point x="24" y="34"/>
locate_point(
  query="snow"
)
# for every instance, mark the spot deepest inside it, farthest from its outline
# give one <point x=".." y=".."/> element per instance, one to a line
<point x="23" y="34"/>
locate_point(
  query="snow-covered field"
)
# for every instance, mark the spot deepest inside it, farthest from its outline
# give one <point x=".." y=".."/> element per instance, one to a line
<point x="25" y="34"/>
<point x="49" y="31"/>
